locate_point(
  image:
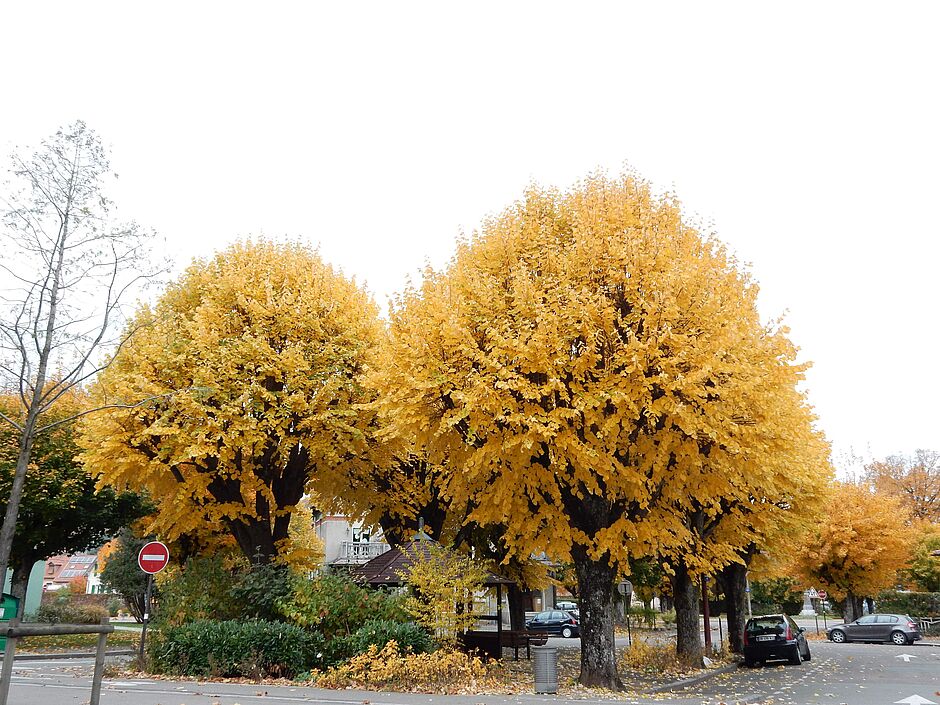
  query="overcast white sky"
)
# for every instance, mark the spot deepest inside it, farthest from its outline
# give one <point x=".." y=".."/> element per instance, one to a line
<point x="805" y="134"/>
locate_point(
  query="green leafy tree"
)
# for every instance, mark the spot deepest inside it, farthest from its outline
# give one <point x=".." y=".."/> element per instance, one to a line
<point x="122" y="573"/>
<point x="62" y="510"/>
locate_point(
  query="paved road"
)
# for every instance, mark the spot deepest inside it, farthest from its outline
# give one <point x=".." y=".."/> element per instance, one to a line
<point x="850" y="674"/>
<point x="844" y="674"/>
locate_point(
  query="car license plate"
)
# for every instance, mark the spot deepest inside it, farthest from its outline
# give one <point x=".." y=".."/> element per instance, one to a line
<point x="766" y="637"/>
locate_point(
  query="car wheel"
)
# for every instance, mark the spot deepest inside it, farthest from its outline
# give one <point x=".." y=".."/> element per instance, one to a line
<point x="807" y="656"/>
<point x="567" y="632"/>
<point x="796" y="658"/>
<point x="749" y="662"/>
<point x="899" y="638"/>
<point x="838" y="636"/>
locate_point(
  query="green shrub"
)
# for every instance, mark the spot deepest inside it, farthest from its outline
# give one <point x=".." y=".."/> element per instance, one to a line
<point x="337" y="606"/>
<point x="914" y="604"/>
<point x="115" y="604"/>
<point x="259" y="590"/>
<point x="62" y="612"/>
<point x="237" y="649"/>
<point x="669" y="618"/>
<point x="643" y="615"/>
<point x="201" y="590"/>
<point x="378" y="632"/>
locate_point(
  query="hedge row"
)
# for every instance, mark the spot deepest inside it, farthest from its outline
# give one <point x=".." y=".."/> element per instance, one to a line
<point x="232" y="649"/>
<point x="261" y="648"/>
<point x="914" y="604"/>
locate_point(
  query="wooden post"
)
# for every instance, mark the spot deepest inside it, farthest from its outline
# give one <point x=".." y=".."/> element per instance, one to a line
<point x="707" y="616"/>
<point x="499" y="621"/>
<point x="99" y="665"/>
<point x="6" y="676"/>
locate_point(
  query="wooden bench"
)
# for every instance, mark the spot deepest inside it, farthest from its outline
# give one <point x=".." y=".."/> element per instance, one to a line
<point x="517" y="639"/>
<point x="486" y="642"/>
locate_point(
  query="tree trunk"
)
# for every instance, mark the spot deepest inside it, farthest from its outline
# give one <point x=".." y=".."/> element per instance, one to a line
<point x="255" y="539"/>
<point x="734" y="579"/>
<point x="16" y="493"/>
<point x="18" y="585"/>
<point x="853" y="607"/>
<point x="596" y="590"/>
<point x="686" y="596"/>
<point x="516" y="608"/>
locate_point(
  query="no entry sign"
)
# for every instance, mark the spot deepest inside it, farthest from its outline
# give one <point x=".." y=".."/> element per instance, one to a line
<point x="153" y="557"/>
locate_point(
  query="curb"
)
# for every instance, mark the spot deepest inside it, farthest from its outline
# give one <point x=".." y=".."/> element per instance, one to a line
<point x="694" y="680"/>
<point x="70" y="654"/>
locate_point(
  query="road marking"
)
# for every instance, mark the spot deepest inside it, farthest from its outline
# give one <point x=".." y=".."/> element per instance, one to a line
<point x="907" y="657"/>
<point x="914" y="700"/>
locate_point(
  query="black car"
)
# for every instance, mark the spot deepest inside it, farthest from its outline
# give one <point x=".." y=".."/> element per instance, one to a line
<point x="774" y="636"/>
<point x="554" y="622"/>
<point x="897" y="628"/>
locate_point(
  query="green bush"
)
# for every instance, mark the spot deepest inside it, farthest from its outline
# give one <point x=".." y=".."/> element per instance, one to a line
<point x="258" y="591"/>
<point x="914" y="604"/>
<point x="669" y="618"/>
<point x="62" y="612"/>
<point x="337" y="606"/>
<point x="645" y="616"/>
<point x="202" y="590"/>
<point x="378" y="632"/>
<point x="237" y="649"/>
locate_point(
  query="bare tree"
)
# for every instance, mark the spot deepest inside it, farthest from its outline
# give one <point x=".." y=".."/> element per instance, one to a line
<point x="67" y="271"/>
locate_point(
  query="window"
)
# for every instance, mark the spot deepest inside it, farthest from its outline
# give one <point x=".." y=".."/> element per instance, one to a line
<point x="870" y="619"/>
<point x="764" y="623"/>
<point x="887" y="619"/>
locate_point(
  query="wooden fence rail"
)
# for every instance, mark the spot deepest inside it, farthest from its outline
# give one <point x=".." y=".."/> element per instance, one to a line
<point x="14" y="629"/>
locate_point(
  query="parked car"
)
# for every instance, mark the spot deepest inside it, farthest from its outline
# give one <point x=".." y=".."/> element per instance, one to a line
<point x="774" y="636"/>
<point x="896" y="628"/>
<point x="555" y="622"/>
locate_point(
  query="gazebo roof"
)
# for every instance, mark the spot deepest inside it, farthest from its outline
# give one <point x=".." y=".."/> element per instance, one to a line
<point x="387" y="568"/>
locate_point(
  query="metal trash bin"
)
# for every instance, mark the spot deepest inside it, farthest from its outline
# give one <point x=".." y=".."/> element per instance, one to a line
<point x="545" y="665"/>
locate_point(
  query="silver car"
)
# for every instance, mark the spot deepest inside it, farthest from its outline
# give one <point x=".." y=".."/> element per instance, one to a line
<point x="897" y="628"/>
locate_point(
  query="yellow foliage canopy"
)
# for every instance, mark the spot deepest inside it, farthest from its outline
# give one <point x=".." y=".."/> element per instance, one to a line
<point x="588" y="368"/>
<point x="860" y="544"/>
<point x="253" y="360"/>
<point x="915" y="481"/>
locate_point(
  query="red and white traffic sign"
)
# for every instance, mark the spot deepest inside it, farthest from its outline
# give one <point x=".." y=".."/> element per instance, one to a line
<point x="153" y="557"/>
<point x="823" y="594"/>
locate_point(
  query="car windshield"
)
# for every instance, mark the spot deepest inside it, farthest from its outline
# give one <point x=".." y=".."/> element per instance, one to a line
<point x="761" y="624"/>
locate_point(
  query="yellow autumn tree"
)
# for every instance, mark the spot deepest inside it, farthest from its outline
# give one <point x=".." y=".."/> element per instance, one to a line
<point x="860" y="544"/>
<point x="443" y="587"/>
<point x="254" y="359"/>
<point x="915" y="481"/>
<point x="587" y="371"/>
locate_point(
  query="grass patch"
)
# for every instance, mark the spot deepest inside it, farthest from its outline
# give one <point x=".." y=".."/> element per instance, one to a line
<point x="68" y="642"/>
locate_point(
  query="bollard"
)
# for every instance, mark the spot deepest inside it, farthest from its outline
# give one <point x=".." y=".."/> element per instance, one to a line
<point x="545" y="665"/>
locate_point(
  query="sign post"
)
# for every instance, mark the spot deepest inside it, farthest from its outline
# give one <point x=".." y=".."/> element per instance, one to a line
<point x="822" y="597"/>
<point x="153" y="558"/>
